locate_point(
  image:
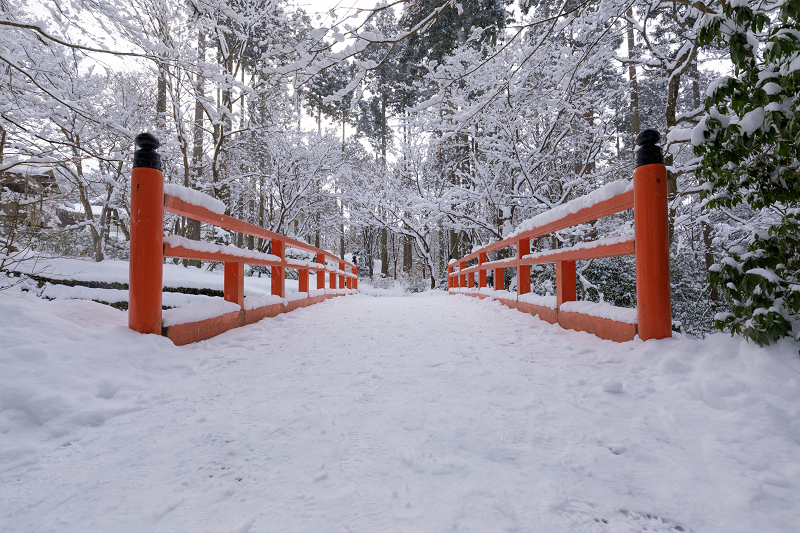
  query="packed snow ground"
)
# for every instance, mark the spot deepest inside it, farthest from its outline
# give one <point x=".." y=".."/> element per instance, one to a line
<point x="423" y="414"/>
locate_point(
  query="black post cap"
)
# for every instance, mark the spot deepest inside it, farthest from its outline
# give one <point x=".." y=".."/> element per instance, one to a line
<point x="647" y="151"/>
<point x="146" y="156"/>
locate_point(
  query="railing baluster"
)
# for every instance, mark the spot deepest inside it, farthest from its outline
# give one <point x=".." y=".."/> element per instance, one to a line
<point x="279" y="272"/>
<point x="566" y="290"/>
<point x="523" y="271"/>
<point x="321" y="271"/>
<point x="499" y="278"/>
<point x="302" y="280"/>
<point x="234" y="283"/>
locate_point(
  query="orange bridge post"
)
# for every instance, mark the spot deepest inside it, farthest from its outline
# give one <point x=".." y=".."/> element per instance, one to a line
<point x="651" y="220"/>
<point x="147" y="237"/>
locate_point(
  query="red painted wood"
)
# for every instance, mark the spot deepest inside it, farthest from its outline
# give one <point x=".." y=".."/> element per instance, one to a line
<point x="179" y="207"/>
<point x="504" y="263"/>
<point x="613" y="205"/>
<point x="221" y="257"/>
<point x="566" y="290"/>
<point x="302" y="275"/>
<point x="146" y="268"/>
<point x="651" y="219"/>
<point x="305" y="302"/>
<point x="568" y="254"/>
<point x="508" y="303"/>
<point x="279" y="271"/>
<point x="251" y="316"/>
<point x="523" y="271"/>
<point x="234" y="283"/>
<point x="181" y="334"/>
<point x="652" y="262"/>
<point x="545" y="313"/>
<point x="602" y="327"/>
<point x="499" y="279"/>
<point x="321" y="271"/>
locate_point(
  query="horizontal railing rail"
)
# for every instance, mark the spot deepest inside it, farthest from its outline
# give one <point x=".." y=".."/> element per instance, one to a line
<point x="647" y="196"/>
<point x="149" y="202"/>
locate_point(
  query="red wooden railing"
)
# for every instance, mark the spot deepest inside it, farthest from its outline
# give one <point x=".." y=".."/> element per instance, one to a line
<point x="649" y="243"/>
<point x="148" y="248"/>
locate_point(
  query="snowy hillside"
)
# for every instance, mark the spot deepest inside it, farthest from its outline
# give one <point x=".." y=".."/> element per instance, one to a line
<point x="429" y="413"/>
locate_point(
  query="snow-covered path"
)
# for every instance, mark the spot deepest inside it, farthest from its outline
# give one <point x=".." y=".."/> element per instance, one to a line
<point x="422" y="414"/>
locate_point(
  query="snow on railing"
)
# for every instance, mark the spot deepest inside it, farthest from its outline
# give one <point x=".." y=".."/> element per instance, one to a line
<point x="150" y="198"/>
<point x="647" y="195"/>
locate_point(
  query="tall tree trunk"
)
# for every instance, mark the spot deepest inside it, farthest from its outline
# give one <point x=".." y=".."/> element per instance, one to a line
<point x="672" y="177"/>
<point x="161" y="98"/>
<point x="707" y="230"/>
<point x="384" y="253"/>
<point x="454" y="254"/>
<point x="193" y="226"/>
<point x="408" y="259"/>
<point x="341" y="230"/>
<point x="370" y="257"/>
<point x="383" y="127"/>
<point x="673" y="92"/>
<point x="2" y="142"/>
<point x="634" y="84"/>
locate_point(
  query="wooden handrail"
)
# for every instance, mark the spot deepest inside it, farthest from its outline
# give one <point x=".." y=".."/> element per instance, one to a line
<point x="149" y="247"/>
<point x="177" y="206"/>
<point x="617" y="204"/>
<point x="648" y="198"/>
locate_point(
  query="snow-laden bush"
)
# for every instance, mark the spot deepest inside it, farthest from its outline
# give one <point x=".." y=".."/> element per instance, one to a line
<point x="748" y="141"/>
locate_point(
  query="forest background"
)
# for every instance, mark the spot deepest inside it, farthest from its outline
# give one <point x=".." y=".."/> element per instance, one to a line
<point x="407" y="134"/>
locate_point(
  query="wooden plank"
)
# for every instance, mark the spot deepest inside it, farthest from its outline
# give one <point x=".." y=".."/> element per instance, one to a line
<point x="569" y="254"/>
<point x="185" y="253"/>
<point x="190" y="332"/>
<point x="504" y="263"/>
<point x="545" y="313"/>
<point x="251" y="316"/>
<point x="177" y="206"/>
<point x="181" y="334"/>
<point x="564" y="254"/>
<point x="602" y="327"/>
<point x="618" y="203"/>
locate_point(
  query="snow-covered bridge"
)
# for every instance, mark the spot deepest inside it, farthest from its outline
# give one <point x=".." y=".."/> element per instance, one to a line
<point x="423" y="413"/>
<point x="426" y="413"/>
<point x="646" y="195"/>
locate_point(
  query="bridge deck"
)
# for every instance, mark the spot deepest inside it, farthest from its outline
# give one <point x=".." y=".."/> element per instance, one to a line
<point x="429" y="413"/>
